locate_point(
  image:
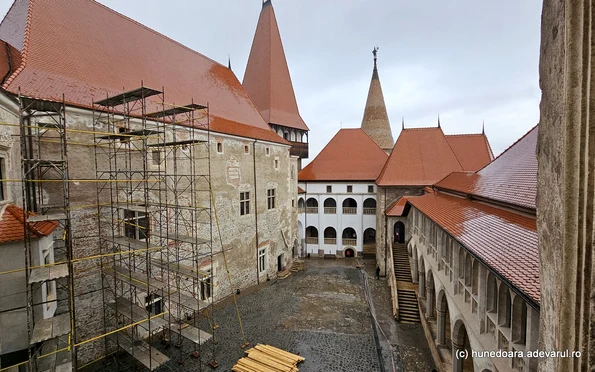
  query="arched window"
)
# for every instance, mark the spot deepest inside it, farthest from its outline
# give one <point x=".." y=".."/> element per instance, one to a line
<point x="349" y="206"/>
<point x="370" y="206"/>
<point x="492" y="292"/>
<point x="301" y="204"/>
<point x="503" y="306"/>
<point x="519" y="320"/>
<point x="311" y="235"/>
<point x="292" y="136"/>
<point x="349" y="236"/>
<point x="304" y="138"/>
<point x="399" y="232"/>
<point x="330" y="235"/>
<point x="370" y="236"/>
<point x="330" y="206"/>
<point x="311" y="205"/>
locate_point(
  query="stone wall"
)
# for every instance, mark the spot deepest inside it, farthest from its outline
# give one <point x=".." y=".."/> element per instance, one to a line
<point x="385" y="197"/>
<point x="566" y="152"/>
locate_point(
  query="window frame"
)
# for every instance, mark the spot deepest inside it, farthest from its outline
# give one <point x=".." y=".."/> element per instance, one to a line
<point x="244" y="203"/>
<point x="139" y="234"/>
<point x="329" y="188"/>
<point x="3" y="176"/>
<point x="262" y="261"/>
<point x="271" y="198"/>
<point x="350" y="188"/>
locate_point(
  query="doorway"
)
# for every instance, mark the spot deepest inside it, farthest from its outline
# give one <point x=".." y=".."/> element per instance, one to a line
<point x="280" y="262"/>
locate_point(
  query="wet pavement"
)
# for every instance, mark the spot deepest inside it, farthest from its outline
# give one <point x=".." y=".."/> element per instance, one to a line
<point x="320" y="313"/>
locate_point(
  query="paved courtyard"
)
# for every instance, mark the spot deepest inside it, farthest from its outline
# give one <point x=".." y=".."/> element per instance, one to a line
<point x="322" y="314"/>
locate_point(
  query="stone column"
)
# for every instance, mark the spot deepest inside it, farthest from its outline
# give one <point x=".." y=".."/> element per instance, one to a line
<point x="440" y="324"/>
<point x="430" y="302"/>
<point x="422" y="284"/>
<point x="415" y="268"/>
<point x="457" y="363"/>
<point x="566" y="197"/>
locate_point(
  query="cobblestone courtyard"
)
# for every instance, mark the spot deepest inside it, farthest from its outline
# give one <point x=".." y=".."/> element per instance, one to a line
<point x="322" y="314"/>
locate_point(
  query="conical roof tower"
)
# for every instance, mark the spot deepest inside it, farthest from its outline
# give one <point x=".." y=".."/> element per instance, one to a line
<point x="375" y="122"/>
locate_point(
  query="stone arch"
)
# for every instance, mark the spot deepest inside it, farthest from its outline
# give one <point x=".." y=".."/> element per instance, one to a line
<point x="301" y="203"/>
<point x="492" y="293"/>
<point x="503" y="306"/>
<point x="312" y="205"/>
<point x="330" y="233"/>
<point x="292" y="136"/>
<point x="311" y="235"/>
<point x="399" y="232"/>
<point x="370" y="236"/>
<point x="430" y="291"/>
<point x="443" y="321"/>
<point x="330" y="206"/>
<point x="370" y="203"/>
<point x="519" y="320"/>
<point x="349" y="233"/>
<point x="349" y="252"/>
<point x="415" y="273"/>
<point x="349" y="203"/>
<point x="460" y="341"/>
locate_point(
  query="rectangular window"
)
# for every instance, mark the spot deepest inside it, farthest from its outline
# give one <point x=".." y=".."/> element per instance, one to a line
<point x="329" y="189"/>
<point x="262" y="261"/>
<point x="370" y="188"/>
<point x="156" y="157"/>
<point x="205" y="287"/>
<point x="220" y="147"/>
<point x="276" y="163"/>
<point x="244" y="203"/>
<point x="2" y="177"/>
<point x="349" y="188"/>
<point x="246" y="149"/>
<point x="267" y="151"/>
<point x="271" y="199"/>
<point x="136" y="225"/>
<point x="292" y="203"/>
<point x="153" y="304"/>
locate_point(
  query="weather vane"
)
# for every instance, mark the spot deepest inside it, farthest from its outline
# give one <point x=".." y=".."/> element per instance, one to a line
<point x="375" y="53"/>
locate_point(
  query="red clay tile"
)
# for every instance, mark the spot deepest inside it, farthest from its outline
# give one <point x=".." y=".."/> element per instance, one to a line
<point x="12" y="226"/>
<point x="472" y="150"/>
<point x="351" y="155"/>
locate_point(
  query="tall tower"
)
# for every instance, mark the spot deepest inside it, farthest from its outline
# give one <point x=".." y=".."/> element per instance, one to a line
<point x="375" y="122"/>
<point x="268" y="83"/>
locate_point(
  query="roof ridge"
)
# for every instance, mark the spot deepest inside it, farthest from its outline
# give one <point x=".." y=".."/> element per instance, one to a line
<point x="464" y="134"/>
<point x="509" y="147"/>
<point x="451" y="149"/>
<point x="25" y="50"/>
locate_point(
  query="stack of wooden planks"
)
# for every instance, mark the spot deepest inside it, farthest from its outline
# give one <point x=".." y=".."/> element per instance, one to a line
<point x="265" y="358"/>
<point x="283" y="274"/>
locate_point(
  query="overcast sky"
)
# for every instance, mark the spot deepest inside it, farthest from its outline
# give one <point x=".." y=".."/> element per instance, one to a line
<point x="466" y="60"/>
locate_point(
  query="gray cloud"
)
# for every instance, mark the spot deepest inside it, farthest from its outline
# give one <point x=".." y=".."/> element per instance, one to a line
<point x="466" y="60"/>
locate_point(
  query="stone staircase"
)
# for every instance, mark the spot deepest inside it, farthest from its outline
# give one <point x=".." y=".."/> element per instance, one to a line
<point x="369" y="251"/>
<point x="401" y="261"/>
<point x="408" y="306"/>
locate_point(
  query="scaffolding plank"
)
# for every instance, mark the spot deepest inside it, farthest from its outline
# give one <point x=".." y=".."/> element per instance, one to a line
<point x="41" y="105"/>
<point x="179" y="237"/>
<point x="177" y="143"/>
<point x="132" y="95"/>
<point x="46" y="329"/>
<point x="137" y="314"/>
<point x="141" y="351"/>
<point x="134" y="278"/>
<point x="176" y="110"/>
<point x="47" y="217"/>
<point x="132" y="243"/>
<point x="42" y="274"/>
<point x="136" y="208"/>
<point x="180" y="269"/>
<point x="187" y="301"/>
<point x="191" y="333"/>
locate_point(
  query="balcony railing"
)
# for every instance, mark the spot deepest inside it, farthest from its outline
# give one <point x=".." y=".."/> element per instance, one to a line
<point x="299" y="149"/>
<point x="330" y="240"/>
<point x="349" y="241"/>
<point x="312" y="240"/>
<point x="312" y="210"/>
<point x="330" y="210"/>
<point x="301" y="209"/>
<point x="369" y="210"/>
<point x="349" y="210"/>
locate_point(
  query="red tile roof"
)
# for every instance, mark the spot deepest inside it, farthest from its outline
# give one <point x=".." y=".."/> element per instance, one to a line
<point x="503" y="240"/>
<point x="420" y="157"/>
<point x="267" y="79"/>
<point x="10" y="60"/>
<point x="87" y="51"/>
<point x="511" y="178"/>
<point x="301" y="191"/>
<point x="472" y="150"/>
<point x="396" y="210"/>
<point x="12" y="225"/>
<point x="351" y="155"/>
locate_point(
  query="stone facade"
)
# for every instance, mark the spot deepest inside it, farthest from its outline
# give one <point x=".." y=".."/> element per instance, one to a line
<point x="242" y="165"/>
<point x="386" y="196"/>
<point x="566" y="191"/>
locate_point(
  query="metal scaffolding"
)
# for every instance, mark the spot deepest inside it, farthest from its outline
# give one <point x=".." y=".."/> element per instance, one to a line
<point x="155" y="209"/>
<point x="152" y="250"/>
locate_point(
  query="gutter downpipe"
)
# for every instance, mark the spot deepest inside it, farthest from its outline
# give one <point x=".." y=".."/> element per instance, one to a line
<point x="385" y="234"/>
<point x="255" y="208"/>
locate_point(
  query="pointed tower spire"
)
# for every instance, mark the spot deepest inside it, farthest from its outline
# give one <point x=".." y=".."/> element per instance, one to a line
<point x="402" y="122"/>
<point x="229" y="62"/>
<point x="267" y="79"/>
<point x="375" y="122"/>
<point x="483" y="127"/>
<point x="438" y="120"/>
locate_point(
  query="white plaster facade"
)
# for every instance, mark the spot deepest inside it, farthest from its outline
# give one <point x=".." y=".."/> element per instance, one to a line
<point x="336" y="206"/>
